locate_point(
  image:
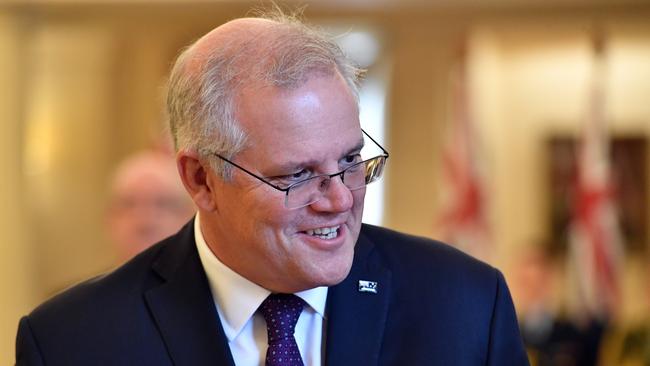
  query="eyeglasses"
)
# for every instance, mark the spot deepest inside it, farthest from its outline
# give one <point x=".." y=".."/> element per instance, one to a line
<point x="307" y="191"/>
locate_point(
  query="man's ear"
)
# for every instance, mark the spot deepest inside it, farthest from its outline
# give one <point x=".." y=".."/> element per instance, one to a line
<point x="194" y="174"/>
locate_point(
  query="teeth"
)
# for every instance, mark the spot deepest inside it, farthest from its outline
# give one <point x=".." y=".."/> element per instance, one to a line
<point x="324" y="232"/>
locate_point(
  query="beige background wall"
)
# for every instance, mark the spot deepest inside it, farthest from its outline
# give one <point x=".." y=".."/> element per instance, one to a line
<point x="17" y="277"/>
<point x="81" y="86"/>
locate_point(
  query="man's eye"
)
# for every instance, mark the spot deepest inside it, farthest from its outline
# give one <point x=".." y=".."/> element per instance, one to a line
<point x="294" y="177"/>
<point x="299" y="175"/>
<point x="352" y="159"/>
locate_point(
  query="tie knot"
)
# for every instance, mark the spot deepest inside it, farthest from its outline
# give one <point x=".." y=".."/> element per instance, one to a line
<point x="281" y="312"/>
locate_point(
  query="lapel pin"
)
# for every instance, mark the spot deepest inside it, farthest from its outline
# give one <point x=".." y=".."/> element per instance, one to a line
<point x="368" y="286"/>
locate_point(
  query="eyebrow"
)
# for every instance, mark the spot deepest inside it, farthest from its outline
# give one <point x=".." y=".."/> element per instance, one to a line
<point x="292" y="165"/>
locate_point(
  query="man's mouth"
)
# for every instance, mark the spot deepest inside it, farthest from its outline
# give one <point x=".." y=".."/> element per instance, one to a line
<point x="324" y="232"/>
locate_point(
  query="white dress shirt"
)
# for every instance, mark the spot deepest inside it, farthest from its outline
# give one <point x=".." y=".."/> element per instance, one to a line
<point x="237" y="300"/>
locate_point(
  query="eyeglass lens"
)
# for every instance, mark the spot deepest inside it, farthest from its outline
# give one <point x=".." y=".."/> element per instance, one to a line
<point x="355" y="177"/>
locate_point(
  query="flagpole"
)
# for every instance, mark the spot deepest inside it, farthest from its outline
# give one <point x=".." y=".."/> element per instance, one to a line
<point x="595" y="245"/>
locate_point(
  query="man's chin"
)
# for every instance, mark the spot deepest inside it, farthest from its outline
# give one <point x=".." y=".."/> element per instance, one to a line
<point x="335" y="273"/>
<point x="335" y="280"/>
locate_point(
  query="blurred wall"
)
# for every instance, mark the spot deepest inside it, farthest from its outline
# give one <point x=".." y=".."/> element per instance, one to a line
<point x="18" y="285"/>
<point x="81" y="86"/>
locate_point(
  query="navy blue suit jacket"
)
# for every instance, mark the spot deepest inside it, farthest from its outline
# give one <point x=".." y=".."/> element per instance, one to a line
<point x="433" y="306"/>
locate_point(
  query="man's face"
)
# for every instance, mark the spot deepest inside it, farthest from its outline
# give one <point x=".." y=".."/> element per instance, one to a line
<point x="309" y="130"/>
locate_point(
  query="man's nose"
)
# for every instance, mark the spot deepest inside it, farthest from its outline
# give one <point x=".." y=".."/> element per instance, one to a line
<point x="336" y="198"/>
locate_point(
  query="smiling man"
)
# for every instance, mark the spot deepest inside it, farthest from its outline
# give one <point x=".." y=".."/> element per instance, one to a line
<point x="276" y="268"/>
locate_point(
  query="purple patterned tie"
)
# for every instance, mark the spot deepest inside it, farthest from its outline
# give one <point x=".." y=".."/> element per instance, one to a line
<point x="281" y="312"/>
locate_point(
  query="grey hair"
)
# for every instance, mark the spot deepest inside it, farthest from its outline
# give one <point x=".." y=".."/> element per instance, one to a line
<point x="200" y="104"/>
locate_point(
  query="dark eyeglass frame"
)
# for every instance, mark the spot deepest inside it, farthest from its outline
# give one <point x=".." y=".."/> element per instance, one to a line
<point x="286" y="190"/>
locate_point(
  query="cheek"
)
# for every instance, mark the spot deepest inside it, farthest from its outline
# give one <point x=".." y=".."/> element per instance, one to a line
<point x="269" y="216"/>
<point x="359" y="196"/>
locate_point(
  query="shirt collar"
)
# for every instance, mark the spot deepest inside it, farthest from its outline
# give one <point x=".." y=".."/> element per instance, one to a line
<point x="236" y="297"/>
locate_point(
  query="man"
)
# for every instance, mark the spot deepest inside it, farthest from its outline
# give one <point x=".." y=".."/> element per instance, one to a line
<point x="147" y="202"/>
<point x="276" y="268"/>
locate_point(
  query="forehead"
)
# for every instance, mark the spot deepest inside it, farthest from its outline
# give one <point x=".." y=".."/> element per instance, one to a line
<point x="319" y="117"/>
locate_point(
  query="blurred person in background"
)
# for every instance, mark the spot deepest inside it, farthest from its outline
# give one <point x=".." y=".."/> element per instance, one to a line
<point x="550" y="337"/>
<point x="277" y="268"/>
<point x="147" y="202"/>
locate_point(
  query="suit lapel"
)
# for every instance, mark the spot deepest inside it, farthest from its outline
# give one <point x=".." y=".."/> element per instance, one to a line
<point x="183" y="307"/>
<point x="355" y="319"/>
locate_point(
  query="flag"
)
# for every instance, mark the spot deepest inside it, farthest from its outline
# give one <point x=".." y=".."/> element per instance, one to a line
<point x="462" y="220"/>
<point x="595" y="245"/>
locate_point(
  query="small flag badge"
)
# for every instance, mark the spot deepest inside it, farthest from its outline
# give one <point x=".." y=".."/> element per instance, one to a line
<point x="368" y="286"/>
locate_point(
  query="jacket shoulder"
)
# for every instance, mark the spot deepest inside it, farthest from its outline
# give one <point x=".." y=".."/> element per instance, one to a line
<point x="461" y="306"/>
<point x="103" y="314"/>
<point x="123" y="284"/>
<point x="418" y="255"/>
<point x="107" y="288"/>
